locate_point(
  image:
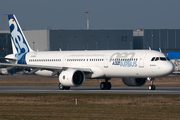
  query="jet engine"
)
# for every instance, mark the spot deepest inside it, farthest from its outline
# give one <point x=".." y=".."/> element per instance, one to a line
<point x="72" y="77"/>
<point x="134" y="81"/>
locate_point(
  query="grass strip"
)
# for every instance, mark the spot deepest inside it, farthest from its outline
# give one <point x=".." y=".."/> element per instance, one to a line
<point x="30" y="106"/>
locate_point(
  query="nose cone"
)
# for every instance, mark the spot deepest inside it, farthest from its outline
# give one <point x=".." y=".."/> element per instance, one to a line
<point x="169" y="68"/>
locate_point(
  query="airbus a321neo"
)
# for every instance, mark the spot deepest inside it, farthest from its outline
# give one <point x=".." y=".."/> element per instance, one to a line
<point x="135" y="67"/>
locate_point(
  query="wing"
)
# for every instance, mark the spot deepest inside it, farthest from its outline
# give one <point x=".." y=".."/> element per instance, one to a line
<point x="35" y="68"/>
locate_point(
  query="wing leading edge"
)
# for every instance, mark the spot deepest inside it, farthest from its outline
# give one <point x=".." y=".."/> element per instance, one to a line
<point x="42" y="67"/>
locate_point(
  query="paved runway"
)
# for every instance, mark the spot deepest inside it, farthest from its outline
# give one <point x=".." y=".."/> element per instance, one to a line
<point x="90" y="90"/>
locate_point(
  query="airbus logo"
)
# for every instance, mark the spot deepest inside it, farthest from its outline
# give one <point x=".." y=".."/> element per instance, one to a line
<point x="125" y="63"/>
<point x="116" y="57"/>
<point x="123" y="55"/>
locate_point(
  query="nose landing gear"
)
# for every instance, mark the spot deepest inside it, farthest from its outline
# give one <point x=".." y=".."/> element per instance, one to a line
<point x="151" y="86"/>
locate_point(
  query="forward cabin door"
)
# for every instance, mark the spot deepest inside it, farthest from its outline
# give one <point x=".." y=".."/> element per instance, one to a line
<point x="106" y="60"/>
<point x="141" y="60"/>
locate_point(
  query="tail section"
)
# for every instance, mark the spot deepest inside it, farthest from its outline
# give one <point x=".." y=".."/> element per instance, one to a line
<point x="20" y="45"/>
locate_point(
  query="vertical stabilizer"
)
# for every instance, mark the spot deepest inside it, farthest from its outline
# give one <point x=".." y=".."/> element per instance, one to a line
<point x="20" y="44"/>
<point x="13" y="47"/>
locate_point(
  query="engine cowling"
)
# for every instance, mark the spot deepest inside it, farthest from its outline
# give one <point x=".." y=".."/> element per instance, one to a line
<point x="72" y="77"/>
<point x="134" y="81"/>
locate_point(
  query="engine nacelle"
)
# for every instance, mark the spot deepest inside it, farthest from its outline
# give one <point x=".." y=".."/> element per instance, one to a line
<point x="72" y="77"/>
<point x="134" y="81"/>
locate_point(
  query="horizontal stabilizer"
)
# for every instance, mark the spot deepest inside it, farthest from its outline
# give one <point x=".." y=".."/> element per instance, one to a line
<point x="13" y="59"/>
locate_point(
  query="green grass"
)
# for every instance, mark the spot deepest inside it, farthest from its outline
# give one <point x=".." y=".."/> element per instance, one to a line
<point x="92" y="107"/>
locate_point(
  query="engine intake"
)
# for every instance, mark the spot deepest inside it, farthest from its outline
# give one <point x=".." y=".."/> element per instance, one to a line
<point x="134" y="81"/>
<point x="72" y="77"/>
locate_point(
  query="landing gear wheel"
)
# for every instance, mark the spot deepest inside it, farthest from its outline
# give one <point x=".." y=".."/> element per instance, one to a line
<point x="108" y="85"/>
<point x="61" y="87"/>
<point x="152" y="87"/>
<point x="103" y="85"/>
<point x="67" y="88"/>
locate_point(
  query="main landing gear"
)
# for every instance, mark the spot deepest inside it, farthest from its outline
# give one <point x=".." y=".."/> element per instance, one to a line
<point x="105" y="85"/>
<point x="151" y="86"/>
<point x="61" y="87"/>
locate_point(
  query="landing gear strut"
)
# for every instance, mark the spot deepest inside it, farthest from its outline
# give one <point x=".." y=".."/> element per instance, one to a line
<point x="105" y="85"/>
<point x="61" y="87"/>
<point x="151" y="86"/>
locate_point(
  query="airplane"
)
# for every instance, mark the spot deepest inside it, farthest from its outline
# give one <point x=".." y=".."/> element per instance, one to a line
<point x="135" y="67"/>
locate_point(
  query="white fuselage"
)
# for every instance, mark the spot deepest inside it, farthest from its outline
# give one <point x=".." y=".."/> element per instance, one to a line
<point x="105" y="63"/>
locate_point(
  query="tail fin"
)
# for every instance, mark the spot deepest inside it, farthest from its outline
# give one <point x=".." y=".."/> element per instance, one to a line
<point x="18" y="40"/>
<point x="159" y="49"/>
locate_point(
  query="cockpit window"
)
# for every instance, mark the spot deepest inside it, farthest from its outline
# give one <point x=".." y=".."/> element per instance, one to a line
<point x="157" y="59"/>
<point x="160" y="58"/>
<point x="163" y="58"/>
<point x="167" y="58"/>
<point x="153" y="59"/>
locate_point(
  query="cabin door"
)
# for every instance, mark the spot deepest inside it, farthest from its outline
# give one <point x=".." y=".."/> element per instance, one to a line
<point x="106" y="60"/>
<point x="141" y="60"/>
<point x="65" y="61"/>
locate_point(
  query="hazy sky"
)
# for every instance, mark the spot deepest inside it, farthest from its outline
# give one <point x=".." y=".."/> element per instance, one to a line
<point x="104" y="14"/>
